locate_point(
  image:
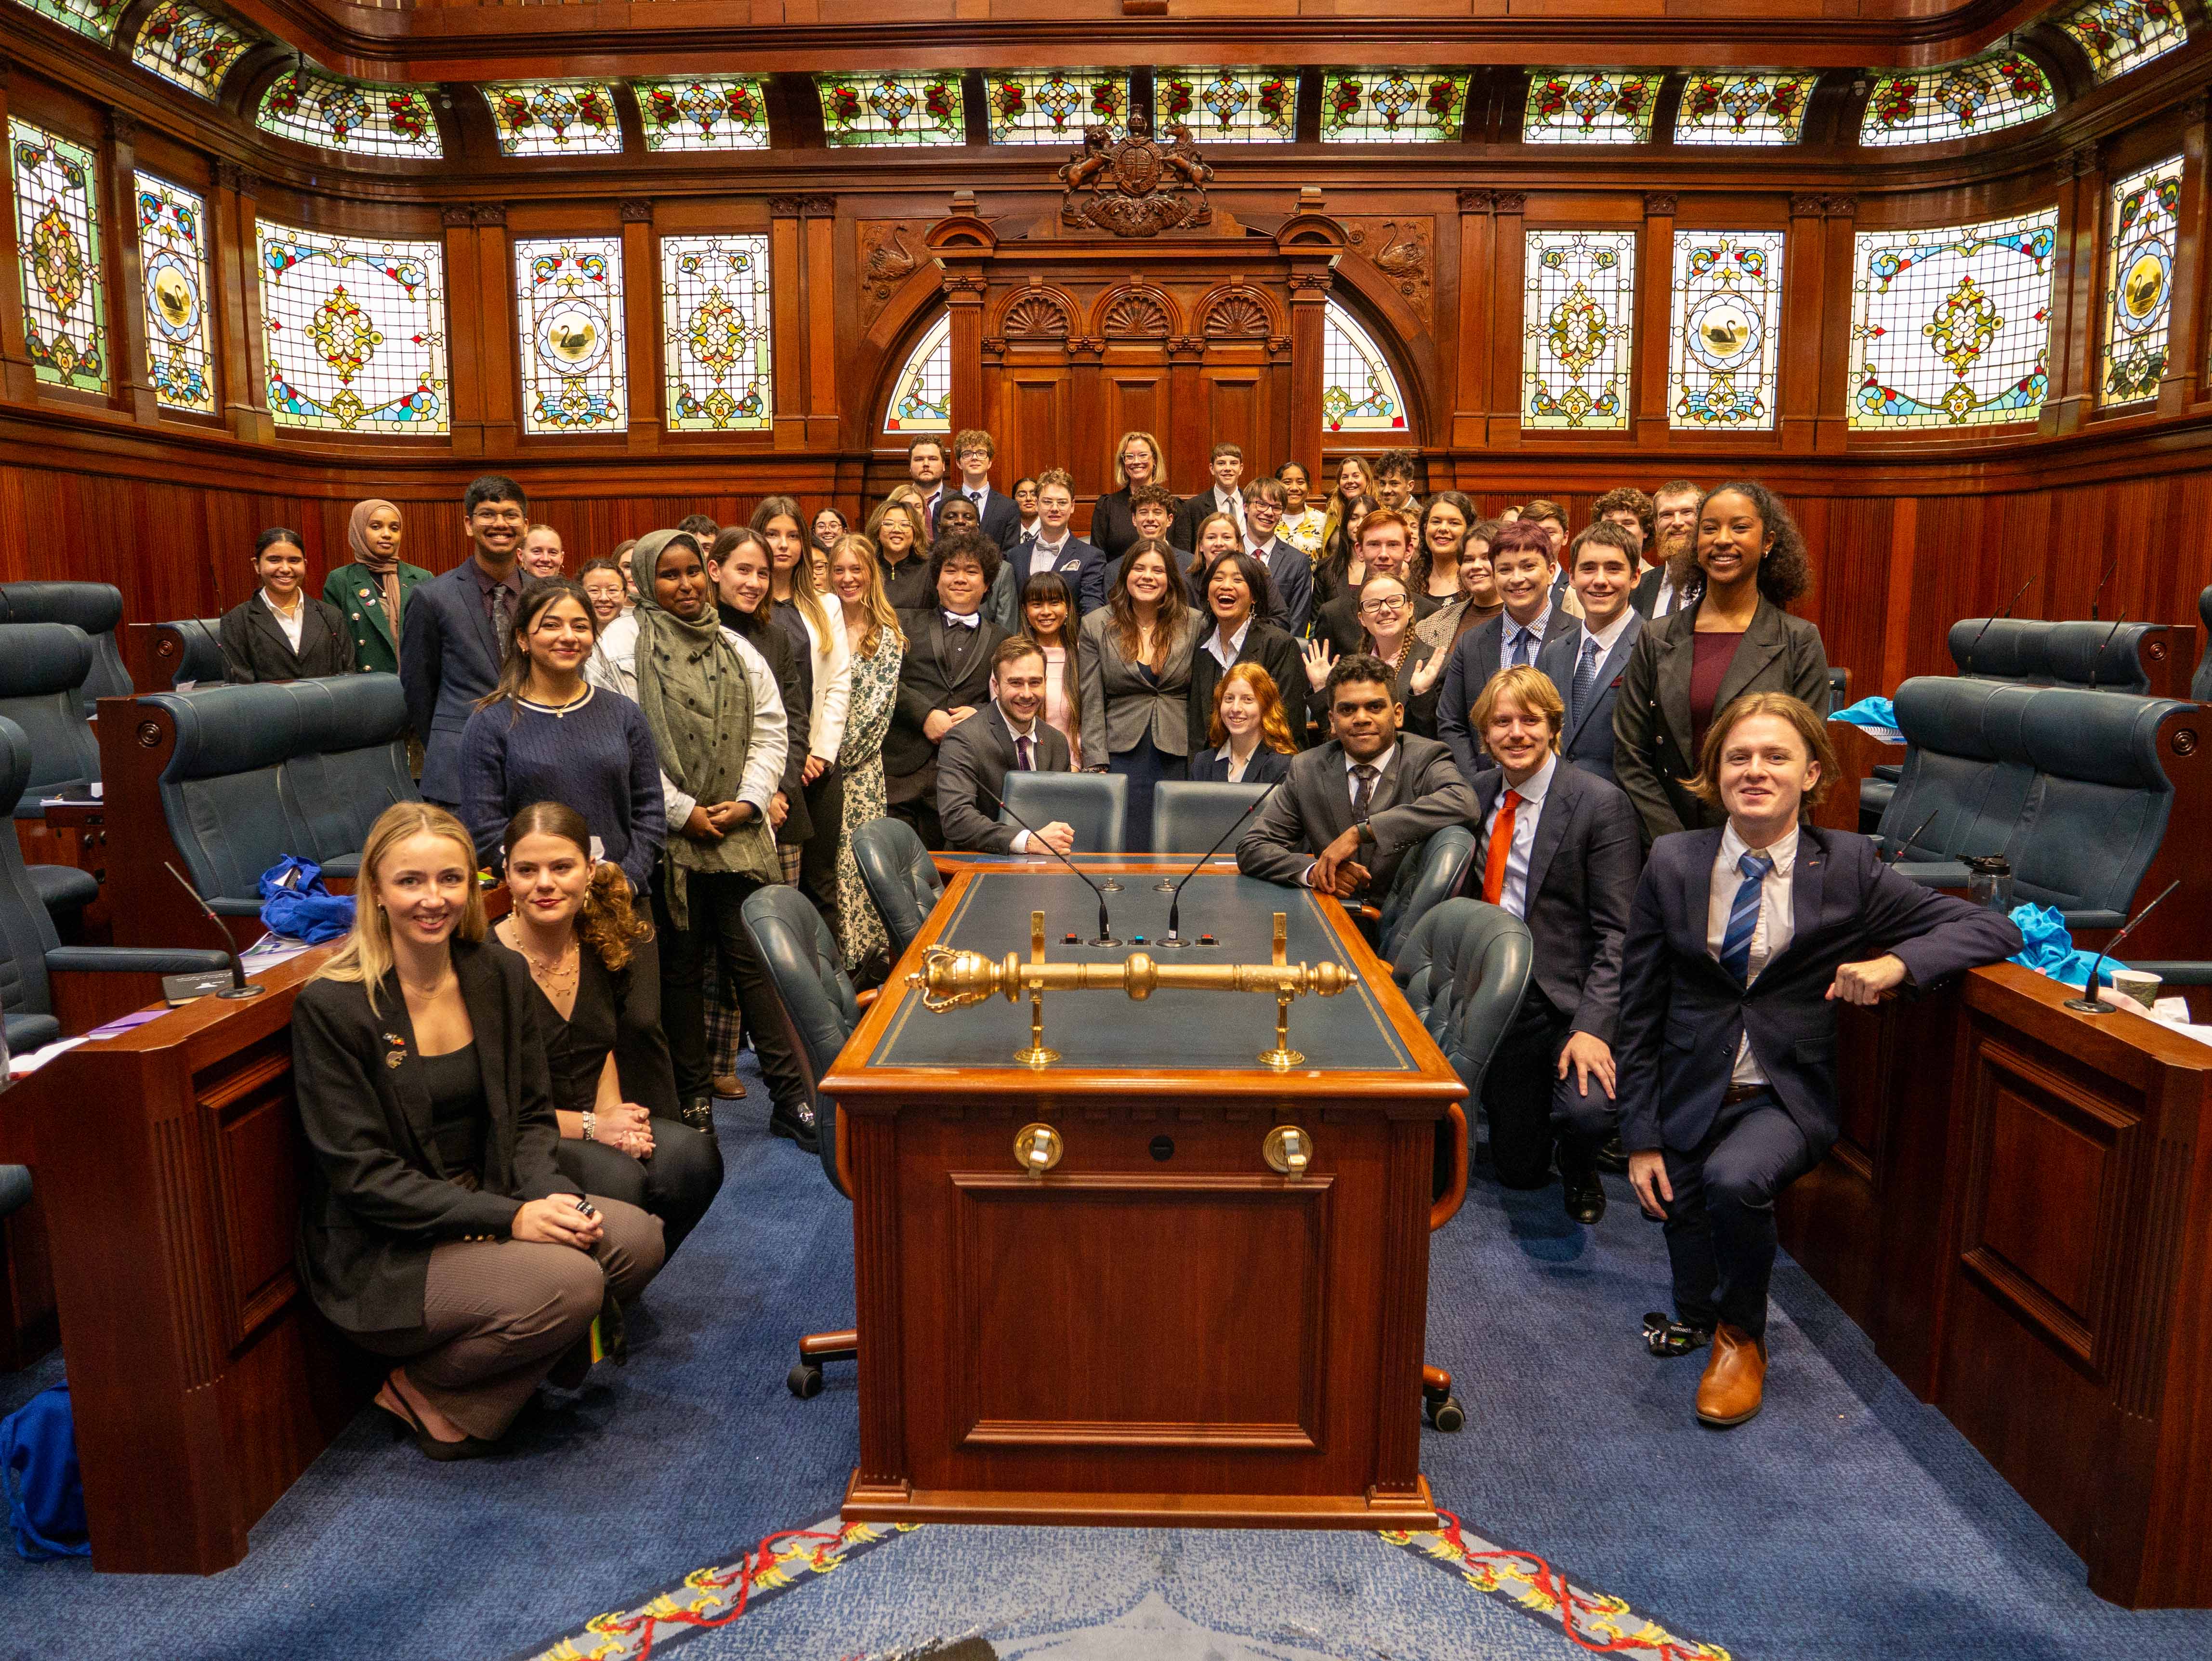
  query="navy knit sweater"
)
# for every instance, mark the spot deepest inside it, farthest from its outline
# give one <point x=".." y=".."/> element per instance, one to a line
<point x="598" y="758"/>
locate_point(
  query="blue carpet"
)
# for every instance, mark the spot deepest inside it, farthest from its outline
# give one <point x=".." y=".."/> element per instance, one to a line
<point x="1848" y="1520"/>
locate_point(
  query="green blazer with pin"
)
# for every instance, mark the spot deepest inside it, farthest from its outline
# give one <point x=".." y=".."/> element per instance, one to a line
<point x="354" y="590"/>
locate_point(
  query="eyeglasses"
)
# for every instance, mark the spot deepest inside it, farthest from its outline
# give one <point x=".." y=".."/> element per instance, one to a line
<point x="1378" y="608"/>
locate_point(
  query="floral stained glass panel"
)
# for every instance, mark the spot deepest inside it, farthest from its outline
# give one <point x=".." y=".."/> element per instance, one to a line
<point x="1589" y="106"/>
<point x="568" y="299"/>
<point x="1723" y="354"/>
<point x="95" y="19"/>
<point x="354" y="332"/>
<point x="554" y="118"/>
<point x="707" y="112"/>
<point x="358" y="117"/>
<point x="188" y="47"/>
<point x="892" y="109"/>
<point x="58" y="245"/>
<point x="717" y="355"/>
<point x="1229" y="107"/>
<point x="1055" y="105"/>
<point x="1952" y="326"/>
<point x="2120" y="35"/>
<point x="1761" y="108"/>
<point x="2139" y="244"/>
<point x="1391" y="107"/>
<point x="172" y="231"/>
<point x="1577" y="331"/>
<point x="1988" y="93"/>
<point x="1358" y="393"/>
<point x="921" y="399"/>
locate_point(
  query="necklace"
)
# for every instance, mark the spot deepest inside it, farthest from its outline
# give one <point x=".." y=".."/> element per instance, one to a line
<point x="556" y="972"/>
<point x="583" y="691"/>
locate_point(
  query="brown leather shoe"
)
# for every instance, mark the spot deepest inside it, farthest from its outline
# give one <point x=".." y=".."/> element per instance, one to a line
<point x="1734" y="1380"/>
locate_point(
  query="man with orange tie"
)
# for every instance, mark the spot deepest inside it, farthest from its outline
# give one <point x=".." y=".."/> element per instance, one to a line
<point x="1559" y="848"/>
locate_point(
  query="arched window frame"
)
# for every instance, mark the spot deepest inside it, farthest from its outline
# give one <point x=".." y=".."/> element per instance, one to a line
<point x="927" y="369"/>
<point x="1382" y="379"/>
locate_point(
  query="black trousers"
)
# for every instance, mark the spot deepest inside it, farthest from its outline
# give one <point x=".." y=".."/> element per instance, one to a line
<point x="919" y="811"/>
<point x="817" y="860"/>
<point x="1720" y="1223"/>
<point x="716" y="899"/>
<point x="676" y="1184"/>
<point x="1531" y="1108"/>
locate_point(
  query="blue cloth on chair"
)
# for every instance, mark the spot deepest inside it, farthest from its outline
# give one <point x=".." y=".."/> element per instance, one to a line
<point x="1868" y="712"/>
<point x="296" y="903"/>
<point x="2050" y="947"/>
<point x="39" y="1469"/>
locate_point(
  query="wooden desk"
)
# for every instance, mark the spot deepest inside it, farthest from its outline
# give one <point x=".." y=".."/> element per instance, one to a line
<point x="1161" y="1330"/>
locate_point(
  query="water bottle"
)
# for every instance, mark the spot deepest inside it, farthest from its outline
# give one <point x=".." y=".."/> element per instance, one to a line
<point x="1988" y="881"/>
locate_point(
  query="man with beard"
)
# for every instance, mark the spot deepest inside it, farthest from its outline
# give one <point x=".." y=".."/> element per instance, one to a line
<point x="1674" y="519"/>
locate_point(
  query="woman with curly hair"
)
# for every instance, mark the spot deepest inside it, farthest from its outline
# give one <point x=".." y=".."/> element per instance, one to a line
<point x="598" y="1013"/>
<point x="1728" y="636"/>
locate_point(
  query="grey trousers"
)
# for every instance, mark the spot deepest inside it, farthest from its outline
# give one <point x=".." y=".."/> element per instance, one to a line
<point x="497" y="1314"/>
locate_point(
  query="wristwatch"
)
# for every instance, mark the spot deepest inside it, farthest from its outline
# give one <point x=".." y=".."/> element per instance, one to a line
<point x="1366" y="830"/>
<point x="591" y="1124"/>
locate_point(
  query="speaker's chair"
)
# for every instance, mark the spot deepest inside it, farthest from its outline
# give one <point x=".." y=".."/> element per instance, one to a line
<point x="95" y="607"/>
<point x="900" y="876"/>
<point x="1096" y="806"/>
<point x="1190" y="818"/>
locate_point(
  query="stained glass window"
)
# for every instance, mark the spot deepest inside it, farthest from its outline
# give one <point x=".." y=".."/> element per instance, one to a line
<point x="187" y="46"/>
<point x="1391" y="107"/>
<point x="57" y="243"/>
<point x="354" y="332"/>
<point x="1721" y="358"/>
<point x="1052" y="107"/>
<point x="1578" y="329"/>
<point x="706" y="113"/>
<point x="359" y="117"/>
<point x="554" y="118"/>
<point x="1761" y="108"/>
<point x="717" y="354"/>
<point x="1988" y="93"/>
<point x="2121" y="35"/>
<point x="1358" y="393"/>
<point x="568" y="299"/>
<point x="1952" y="326"/>
<point x="2139" y="282"/>
<point x="1228" y="106"/>
<point x="892" y="109"/>
<point x="95" y="18"/>
<point x="1589" y="106"/>
<point x="922" y="397"/>
<point x="172" y="231"/>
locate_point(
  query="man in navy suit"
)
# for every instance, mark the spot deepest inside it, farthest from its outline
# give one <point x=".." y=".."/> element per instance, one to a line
<point x="1057" y="549"/>
<point x="1586" y="661"/>
<point x="1741" y="942"/>
<point x="1288" y="568"/>
<point x="458" y="629"/>
<point x="1523" y="559"/>
<point x="1000" y="518"/>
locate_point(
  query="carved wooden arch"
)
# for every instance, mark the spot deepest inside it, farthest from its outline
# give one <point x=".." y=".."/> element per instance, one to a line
<point x="1374" y="299"/>
<point x="1038" y="312"/>
<point x="1240" y="311"/>
<point x="1135" y="311"/>
<point x="911" y="313"/>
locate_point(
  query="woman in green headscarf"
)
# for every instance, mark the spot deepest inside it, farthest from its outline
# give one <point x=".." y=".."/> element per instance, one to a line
<point x="372" y="590"/>
<point x="712" y="703"/>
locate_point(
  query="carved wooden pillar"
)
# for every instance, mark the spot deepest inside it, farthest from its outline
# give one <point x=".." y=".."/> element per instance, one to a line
<point x="1803" y="313"/>
<point x="1839" y="367"/>
<point x="642" y="325"/>
<point x="126" y="315"/>
<point x="787" y="272"/>
<point x="18" y="380"/>
<point x="1508" y="291"/>
<point x="480" y="361"/>
<point x="1190" y="435"/>
<point x="962" y="243"/>
<point x="1655" y="286"/>
<point x="1311" y="243"/>
<point x="1478" y="260"/>
<point x="241" y="341"/>
<point x="2076" y="271"/>
<point x="820" y="215"/>
<point x="2185" y="334"/>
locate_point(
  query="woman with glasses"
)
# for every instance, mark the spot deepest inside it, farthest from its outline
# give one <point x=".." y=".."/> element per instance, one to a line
<point x="1386" y="629"/>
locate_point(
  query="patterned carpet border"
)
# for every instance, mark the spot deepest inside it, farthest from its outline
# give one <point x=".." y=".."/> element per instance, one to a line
<point x="720" y="1594"/>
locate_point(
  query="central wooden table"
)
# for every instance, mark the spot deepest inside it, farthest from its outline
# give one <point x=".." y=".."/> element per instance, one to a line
<point x="1161" y="1329"/>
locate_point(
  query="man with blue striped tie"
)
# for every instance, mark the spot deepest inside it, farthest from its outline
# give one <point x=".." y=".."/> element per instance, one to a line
<point x="1741" y="942"/>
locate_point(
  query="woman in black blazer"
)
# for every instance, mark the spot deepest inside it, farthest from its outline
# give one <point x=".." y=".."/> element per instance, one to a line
<point x="1727" y="636"/>
<point x="598" y="1003"/>
<point x="1236" y="594"/>
<point x="434" y="1224"/>
<point x="1137" y="461"/>
<point x="258" y="637"/>
<point x="1247" y="738"/>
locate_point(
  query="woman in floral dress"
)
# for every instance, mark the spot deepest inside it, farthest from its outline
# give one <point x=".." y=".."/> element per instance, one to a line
<point x="872" y="633"/>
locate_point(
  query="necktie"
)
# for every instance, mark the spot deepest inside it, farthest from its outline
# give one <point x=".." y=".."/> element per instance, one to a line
<point x="1585" y="676"/>
<point x="1743" y="915"/>
<point x="1501" y="844"/>
<point x="1363" y="795"/>
<point x="1024" y="759"/>
<point x="502" y="620"/>
<point x="1518" y="657"/>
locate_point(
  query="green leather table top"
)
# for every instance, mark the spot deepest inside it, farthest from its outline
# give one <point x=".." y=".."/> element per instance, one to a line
<point x="1109" y="1031"/>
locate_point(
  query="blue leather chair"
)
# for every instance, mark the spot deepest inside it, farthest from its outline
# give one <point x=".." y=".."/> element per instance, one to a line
<point x="95" y="607"/>
<point x="1966" y="778"/>
<point x="1423" y="879"/>
<point x="1190" y="818"/>
<point x="1096" y="804"/>
<point x="190" y="649"/>
<point x="31" y="953"/>
<point x="2101" y="808"/>
<point x="2200" y="683"/>
<point x="43" y="671"/>
<point x="2101" y="656"/>
<point x="293" y="767"/>
<point x="901" y="878"/>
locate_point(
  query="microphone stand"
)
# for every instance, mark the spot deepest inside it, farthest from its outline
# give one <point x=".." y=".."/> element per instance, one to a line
<point x="1967" y="668"/>
<point x="2088" y="1003"/>
<point x="238" y="988"/>
<point x="1105" y="927"/>
<point x="1897" y="856"/>
<point x="1174" y="905"/>
<point x="2101" y="581"/>
<point x="2104" y="645"/>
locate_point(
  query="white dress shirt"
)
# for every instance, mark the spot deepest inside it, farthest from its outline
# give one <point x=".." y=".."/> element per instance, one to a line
<point x="613" y="665"/>
<point x="1382" y="766"/>
<point x="1031" y="527"/>
<point x="1233" y="505"/>
<point x="1016" y="731"/>
<point x="1232" y="768"/>
<point x="1043" y="555"/>
<point x="1607" y="636"/>
<point x="291" y="621"/>
<point x="1776" y="926"/>
<point x="1224" y="651"/>
<point x="1663" y="600"/>
<point x="1513" y="893"/>
<point x="1537" y="630"/>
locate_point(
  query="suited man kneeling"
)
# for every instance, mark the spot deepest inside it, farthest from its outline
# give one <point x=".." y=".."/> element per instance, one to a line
<point x="1742" y="942"/>
<point x="1008" y="733"/>
<point x="1560" y="849"/>
<point x="1356" y="806"/>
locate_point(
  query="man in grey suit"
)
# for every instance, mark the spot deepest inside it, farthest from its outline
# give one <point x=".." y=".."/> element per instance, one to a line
<point x="458" y="629"/>
<point x="1353" y="809"/>
<point x="1587" y="661"/>
<point x="1007" y="734"/>
<point x="1523" y="558"/>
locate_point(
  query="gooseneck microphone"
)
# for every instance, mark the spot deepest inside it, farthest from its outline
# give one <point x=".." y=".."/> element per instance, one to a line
<point x="2100" y="592"/>
<point x="1036" y="841"/>
<point x="1967" y="668"/>
<point x="1174" y="905"/>
<point x="2088" y="1002"/>
<point x="2104" y="645"/>
<point x="238" y="988"/>
<point x="1897" y="853"/>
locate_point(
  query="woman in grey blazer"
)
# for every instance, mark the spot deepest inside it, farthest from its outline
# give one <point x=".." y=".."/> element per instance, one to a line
<point x="1729" y="636"/>
<point x="1133" y="660"/>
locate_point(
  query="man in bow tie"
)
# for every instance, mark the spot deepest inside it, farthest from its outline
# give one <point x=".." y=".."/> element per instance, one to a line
<point x="945" y="676"/>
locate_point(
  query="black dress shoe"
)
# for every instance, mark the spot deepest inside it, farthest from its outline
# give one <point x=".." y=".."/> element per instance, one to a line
<point x="699" y="1114"/>
<point x="797" y="1124"/>
<point x="1612" y="1156"/>
<point x="1585" y="1198"/>
<point x="1666" y="1338"/>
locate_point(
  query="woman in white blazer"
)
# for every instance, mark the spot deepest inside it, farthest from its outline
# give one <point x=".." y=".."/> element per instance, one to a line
<point x="800" y="608"/>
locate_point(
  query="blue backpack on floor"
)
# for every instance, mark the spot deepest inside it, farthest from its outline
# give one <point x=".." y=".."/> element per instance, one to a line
<point x="38" y="1467"/>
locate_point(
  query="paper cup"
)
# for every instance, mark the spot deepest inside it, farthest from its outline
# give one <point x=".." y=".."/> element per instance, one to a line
<point x="2137" y="985"/>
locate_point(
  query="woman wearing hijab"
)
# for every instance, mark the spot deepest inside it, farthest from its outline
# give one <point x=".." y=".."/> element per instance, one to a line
<point x="371" y="591"/>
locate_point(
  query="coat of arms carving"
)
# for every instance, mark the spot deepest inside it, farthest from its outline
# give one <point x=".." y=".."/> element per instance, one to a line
<point x="1137" y="186"/>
